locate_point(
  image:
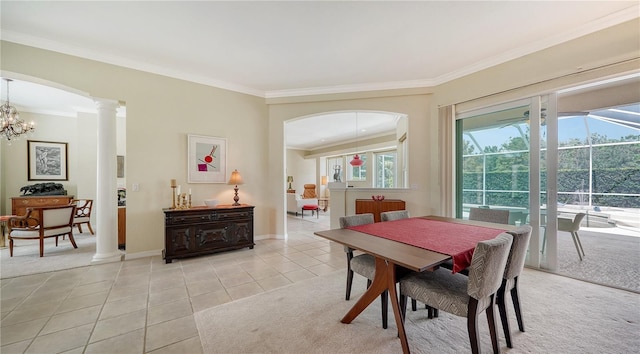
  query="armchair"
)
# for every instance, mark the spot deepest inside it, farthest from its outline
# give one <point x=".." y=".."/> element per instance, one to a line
<point x="41" y="223"/>
<point x="83" y="214"/>
<point x="295" y="203"/>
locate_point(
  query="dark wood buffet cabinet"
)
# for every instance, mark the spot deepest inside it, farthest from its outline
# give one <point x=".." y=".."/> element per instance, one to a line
<point x="204" y="230"/>
<point x="375" y="207"/>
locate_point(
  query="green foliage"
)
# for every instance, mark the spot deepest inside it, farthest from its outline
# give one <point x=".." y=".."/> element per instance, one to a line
<point x="504" y="171"/>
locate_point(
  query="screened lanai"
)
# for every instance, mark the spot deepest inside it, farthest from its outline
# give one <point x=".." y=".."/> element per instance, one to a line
<point x="598" y="174"/>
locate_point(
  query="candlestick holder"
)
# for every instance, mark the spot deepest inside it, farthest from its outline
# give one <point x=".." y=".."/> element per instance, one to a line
<point x="173" y="197"/>
<point x="189" y="205"/>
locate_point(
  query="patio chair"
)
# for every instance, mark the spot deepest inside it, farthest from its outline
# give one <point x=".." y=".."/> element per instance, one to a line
<point x="571" y="226"/>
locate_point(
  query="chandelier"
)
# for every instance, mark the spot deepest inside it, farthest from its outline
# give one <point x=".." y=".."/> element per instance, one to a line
<point x="11" y="126"/>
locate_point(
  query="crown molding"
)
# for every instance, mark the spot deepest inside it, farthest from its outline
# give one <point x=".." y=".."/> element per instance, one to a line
<point x="627" y="14"/>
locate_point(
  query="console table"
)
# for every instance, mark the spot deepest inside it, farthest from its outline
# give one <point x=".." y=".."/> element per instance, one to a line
<point x="375" y="207"/>
<point x="19" y="205"/>
<point x="204" y="230"/>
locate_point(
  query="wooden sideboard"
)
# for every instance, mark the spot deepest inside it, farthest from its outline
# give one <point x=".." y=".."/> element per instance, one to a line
<point x="19" y="205"/>
<point x="375" y="207"/>
<point x="204" y="230"/>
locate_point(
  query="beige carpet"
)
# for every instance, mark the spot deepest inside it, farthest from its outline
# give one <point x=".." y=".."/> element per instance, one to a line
<point x="26" y="255"/>
<point x="562" y="315"/>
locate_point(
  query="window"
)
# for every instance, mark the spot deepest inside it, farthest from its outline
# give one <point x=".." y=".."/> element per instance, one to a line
<point x="386" y="169"/>
<point x="334" y="166"/>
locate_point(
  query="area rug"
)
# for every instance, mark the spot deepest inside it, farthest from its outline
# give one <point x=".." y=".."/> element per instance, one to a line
<point x="26" y="255"/>
<point x="561" y="315"/>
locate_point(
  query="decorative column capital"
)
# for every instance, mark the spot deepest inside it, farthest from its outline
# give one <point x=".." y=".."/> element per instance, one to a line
<point x="106" y="104"/>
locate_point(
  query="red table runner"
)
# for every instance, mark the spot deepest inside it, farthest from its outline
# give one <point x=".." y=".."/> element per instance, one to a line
<point x="455" y="240"/>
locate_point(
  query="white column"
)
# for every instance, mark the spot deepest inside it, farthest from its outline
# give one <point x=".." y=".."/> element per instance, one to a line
<point x="107" y="195"/>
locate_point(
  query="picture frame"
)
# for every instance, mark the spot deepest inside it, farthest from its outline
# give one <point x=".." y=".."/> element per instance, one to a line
<point x="207" y="159"/>
<point x="120" y="166"/>
<point x="47" y="161"/>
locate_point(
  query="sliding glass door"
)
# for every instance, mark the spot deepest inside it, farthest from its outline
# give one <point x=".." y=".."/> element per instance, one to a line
<point x="502" y="164"/>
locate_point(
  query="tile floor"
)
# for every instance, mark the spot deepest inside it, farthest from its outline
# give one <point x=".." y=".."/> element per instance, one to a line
<point x="147" y="306"/>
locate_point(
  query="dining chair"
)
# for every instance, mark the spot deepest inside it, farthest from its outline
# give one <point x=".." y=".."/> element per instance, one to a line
<point x="489" y="215"/>
<point x="40" y="223"/>
<point x="512" y="271"/>
<point x="571" y="226"/>
<point x="481" y="214"/>
<point x="394" y="215"/>
<point x="363" y="264"/>
<point x="461" y="295"/>
<point x="83" y="214"/>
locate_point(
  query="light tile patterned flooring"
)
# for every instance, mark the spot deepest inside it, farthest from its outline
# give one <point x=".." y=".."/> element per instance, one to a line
<point x="147" y="306"/>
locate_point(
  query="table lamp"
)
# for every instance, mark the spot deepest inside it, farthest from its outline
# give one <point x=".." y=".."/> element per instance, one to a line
<point x="235" y="179"/>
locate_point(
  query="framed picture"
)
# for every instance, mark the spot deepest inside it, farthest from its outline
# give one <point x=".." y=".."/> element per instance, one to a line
<point x="207" y="160"/>
<point x="120" y="166"/>
<point x="47" y="161"/>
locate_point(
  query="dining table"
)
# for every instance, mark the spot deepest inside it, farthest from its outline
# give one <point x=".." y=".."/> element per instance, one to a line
<point x="418" y="244"/>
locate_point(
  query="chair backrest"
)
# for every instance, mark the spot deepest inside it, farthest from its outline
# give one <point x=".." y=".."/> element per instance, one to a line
<point x="83" y="207"/>
<point x="570" y="226"/>
<point x="355" y="220"/>
<point x="489" y="215"/>
<point x="309" y="191"/>
<point x="394" y="215"/>
<point x="52" y="217"/>
<point x="515" y="262"/>
<point x="487" y="266"/>
<point x="577" y="220"/>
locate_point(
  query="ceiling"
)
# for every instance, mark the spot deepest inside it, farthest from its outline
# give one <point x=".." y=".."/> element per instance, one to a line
<point x="290" y="48"/>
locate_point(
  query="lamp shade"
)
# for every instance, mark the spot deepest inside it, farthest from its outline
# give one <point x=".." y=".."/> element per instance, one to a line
<point x="356" y="161"/>
<point x="323" y="180"/>
<point x="235" y="178"/>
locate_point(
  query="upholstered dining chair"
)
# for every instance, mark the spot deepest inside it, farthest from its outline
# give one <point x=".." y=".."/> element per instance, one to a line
<point x="515" y="264"/>
<point x="482" y="214"/>
<point x="394" y="215"/>
<point x="489" y="215"/>
<point x="40" y="223"/>
<point x="571" y="226"/>
<point x="461" y="295"/>
<point x="363" y="264"/>
<point x="83" y="213"/>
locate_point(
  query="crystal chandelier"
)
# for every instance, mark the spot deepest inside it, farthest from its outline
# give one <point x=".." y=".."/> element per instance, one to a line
<point x="11" y="126"/>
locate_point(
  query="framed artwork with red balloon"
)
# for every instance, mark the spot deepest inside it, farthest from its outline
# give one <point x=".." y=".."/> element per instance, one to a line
<point x="207" y="161"/>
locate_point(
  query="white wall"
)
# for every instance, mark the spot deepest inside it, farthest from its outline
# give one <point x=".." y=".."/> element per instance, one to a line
<point x="303" y="170"/>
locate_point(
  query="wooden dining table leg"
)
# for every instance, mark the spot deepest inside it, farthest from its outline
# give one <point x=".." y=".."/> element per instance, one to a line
<point x="384" y="279"/>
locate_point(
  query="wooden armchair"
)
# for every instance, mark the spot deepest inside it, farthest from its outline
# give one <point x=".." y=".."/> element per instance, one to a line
<point x="41" y="223"/>
<point x="83" y="213"/>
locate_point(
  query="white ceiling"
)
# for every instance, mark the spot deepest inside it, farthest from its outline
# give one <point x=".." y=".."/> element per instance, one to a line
<point x="289" y="48"/>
